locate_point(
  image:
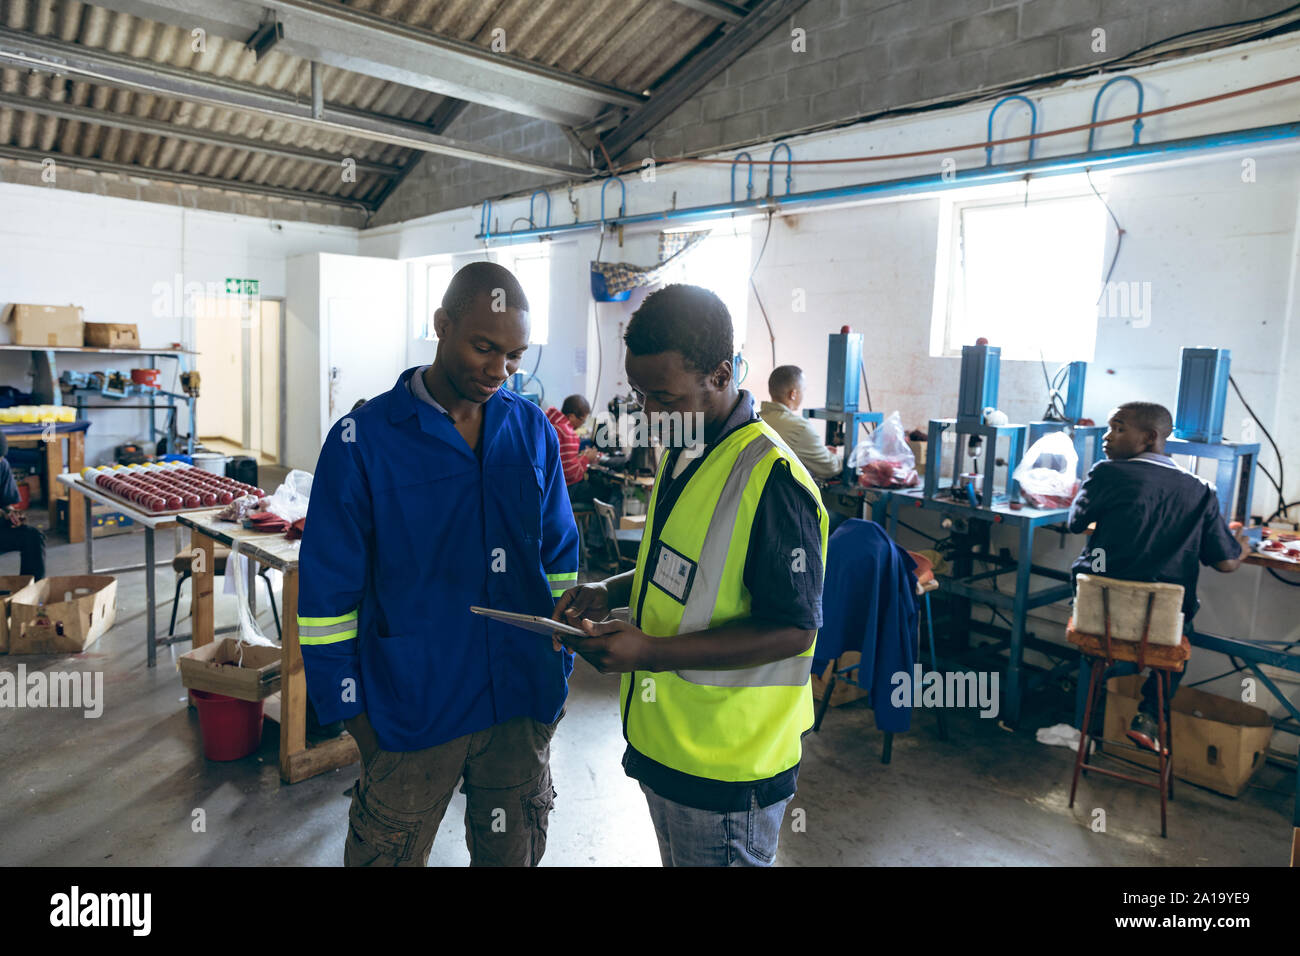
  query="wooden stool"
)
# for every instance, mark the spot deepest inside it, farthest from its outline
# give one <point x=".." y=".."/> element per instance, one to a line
<point x="1163" y="659"/>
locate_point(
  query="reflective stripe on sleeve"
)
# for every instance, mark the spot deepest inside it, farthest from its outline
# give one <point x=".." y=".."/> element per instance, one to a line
<point x="561" y="581"/>
<point x="327" y="630"/>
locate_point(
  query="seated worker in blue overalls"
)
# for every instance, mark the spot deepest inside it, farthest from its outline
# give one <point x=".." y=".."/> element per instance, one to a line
<point x="29" y="542"/>
<point x="1155" y="522"/>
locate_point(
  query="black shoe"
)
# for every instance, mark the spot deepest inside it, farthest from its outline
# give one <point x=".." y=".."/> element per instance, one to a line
<point x="1145" y="732"/>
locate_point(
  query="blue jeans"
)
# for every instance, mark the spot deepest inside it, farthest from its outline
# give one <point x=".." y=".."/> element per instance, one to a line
<point x="691" y="837"/>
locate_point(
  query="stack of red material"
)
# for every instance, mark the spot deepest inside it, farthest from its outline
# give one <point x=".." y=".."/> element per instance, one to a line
<point x="160" y="490"/>
<point x="266" y="522"/>
<point x="882" y="473"/>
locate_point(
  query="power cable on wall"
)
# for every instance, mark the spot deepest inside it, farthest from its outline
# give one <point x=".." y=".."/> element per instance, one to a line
<point x="1283" y="506"/>
<point x="1119" y="234"/>
<point x="771" y="335"/>
<point x="1280" y="482"/>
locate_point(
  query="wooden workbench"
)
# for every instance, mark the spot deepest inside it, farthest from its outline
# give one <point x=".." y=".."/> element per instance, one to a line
<point x="298" y="761"/>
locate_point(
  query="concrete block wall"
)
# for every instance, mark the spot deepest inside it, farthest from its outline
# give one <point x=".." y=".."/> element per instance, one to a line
<point x="440" y="182"/>
<point x="862" y="57"/>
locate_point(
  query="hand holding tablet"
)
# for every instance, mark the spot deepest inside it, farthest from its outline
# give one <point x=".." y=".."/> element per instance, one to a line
<point x="530" y="622"/>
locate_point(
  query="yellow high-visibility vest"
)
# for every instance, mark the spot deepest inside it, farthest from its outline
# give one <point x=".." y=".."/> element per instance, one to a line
<point x="733" y="725"/>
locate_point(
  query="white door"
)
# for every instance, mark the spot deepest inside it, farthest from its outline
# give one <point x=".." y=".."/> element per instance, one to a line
<point x="365" y="354"/>
<point x="219" y="324"/>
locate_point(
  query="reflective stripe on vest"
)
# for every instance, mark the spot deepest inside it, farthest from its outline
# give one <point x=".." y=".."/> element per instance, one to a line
<point x="791" y="672"/>
<point x="729" y="724"/>
<point x="704" y="595"/>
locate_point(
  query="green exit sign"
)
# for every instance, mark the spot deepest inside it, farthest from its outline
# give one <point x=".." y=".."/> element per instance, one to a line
<point x="241" y="287"/>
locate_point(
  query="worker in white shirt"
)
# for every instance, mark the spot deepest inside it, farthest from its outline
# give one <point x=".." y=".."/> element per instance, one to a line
<point x="805" y="439"/>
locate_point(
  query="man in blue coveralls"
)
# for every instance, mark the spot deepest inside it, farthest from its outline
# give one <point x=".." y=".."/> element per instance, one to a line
<point x="443" y="493"/>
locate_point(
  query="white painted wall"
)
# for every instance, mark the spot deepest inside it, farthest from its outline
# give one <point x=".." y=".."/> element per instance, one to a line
<point x="112" y="256"/>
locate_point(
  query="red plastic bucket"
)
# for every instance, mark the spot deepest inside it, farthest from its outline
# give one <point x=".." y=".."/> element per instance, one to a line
<point x="231" y="728"/>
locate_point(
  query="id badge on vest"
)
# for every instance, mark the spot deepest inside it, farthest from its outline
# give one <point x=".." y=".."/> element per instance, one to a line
<point x="673" y="573"/>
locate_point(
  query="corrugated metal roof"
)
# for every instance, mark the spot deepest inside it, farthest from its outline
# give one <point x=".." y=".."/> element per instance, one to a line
<point x="625" y="43"/>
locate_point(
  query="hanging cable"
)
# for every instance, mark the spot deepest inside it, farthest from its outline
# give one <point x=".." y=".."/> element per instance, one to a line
<point x="757" y="298"/>
<point x="1281" y="471"/>
<point x="1271" y="480"/>
<point x="1119" y="234"/>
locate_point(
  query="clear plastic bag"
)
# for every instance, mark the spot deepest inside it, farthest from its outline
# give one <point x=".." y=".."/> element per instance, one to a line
<point x="1049" y="473"/>
<point x="885" y="460"/>
<point x="290" y="499"/>
<point x="249" y="631"/>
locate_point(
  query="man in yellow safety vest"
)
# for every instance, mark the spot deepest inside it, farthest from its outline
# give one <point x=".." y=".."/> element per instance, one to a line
<point x="724" y="603"/>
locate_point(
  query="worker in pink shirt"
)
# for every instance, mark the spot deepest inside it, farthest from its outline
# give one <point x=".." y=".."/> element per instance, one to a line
<point x="567" y="419"/>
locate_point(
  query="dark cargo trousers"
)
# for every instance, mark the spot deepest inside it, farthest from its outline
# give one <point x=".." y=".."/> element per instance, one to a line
<point x="399" y="802"/>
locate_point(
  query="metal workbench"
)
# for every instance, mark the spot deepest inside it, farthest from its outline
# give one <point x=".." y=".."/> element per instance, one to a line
<point x="969" y="586"/>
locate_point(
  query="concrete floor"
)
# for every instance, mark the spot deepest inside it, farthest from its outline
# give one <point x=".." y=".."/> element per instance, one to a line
<point x="124" y="788"/>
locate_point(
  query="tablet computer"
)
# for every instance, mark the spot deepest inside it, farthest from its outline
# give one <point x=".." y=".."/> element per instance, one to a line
<point x="530" y="622"/>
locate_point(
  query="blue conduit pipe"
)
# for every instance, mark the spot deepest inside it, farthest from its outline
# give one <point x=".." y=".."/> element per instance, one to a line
<point x="545" y="195"/>
<point x="622" y="201"/>
<point x="789" y="166"/>
<point x="1033" y="124"/>
<point x="1117" y="158"/>
<point x="1096" y="101"/>
<point x="749" y="186"/>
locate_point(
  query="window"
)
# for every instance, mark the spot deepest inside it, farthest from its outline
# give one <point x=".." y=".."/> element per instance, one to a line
<point x="532" y="267"/>
<point x="429" y="280"/>
<point x="721" y="264"/>
<point x="1024" y="275"/>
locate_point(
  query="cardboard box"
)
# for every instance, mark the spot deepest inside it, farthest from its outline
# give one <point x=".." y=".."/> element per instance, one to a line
<point x="9" y="585"/>
<point x="631" y="523"/>
<point x="1218" y="742"/>
<point x="919" y="450"/>
<point x="215" y="668"/>
<point x="112" y="335"/>
<point x="844" y="692"/>
<point x="62" y="615"/>
<point x="44" y="325"/>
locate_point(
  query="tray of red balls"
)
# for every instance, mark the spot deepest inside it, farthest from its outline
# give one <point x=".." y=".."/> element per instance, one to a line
<point x="169" y="489"/>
